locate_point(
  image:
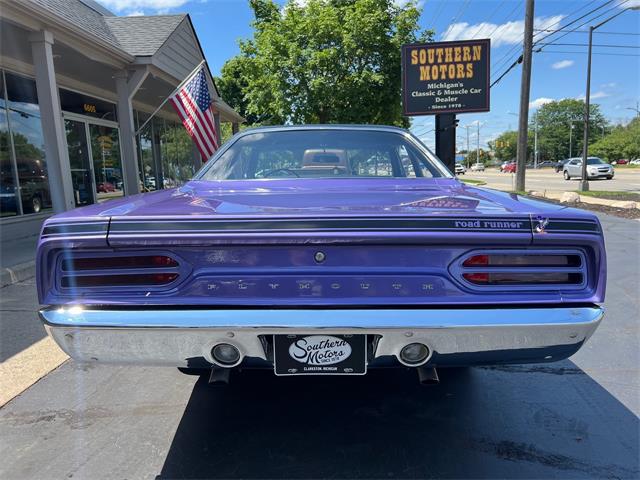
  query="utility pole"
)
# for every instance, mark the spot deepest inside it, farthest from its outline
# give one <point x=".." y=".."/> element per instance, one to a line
<point x="467" y="128"/>
<point x="637" y="109"/>
<point x="535" y="141"/>
<point x="570" y="137"/>
<point x="525" y="89"/>
<point x="478" y="147"/>
<point x="584" y="180"/>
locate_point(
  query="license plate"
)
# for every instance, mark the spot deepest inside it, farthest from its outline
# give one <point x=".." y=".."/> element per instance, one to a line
<point x="320" y="354"/>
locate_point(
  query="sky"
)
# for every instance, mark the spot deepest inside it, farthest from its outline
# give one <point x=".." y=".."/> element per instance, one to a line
<point x="559" y="71"/>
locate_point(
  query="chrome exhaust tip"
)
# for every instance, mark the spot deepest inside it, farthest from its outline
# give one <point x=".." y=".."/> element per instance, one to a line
<point x="225" y="355"/>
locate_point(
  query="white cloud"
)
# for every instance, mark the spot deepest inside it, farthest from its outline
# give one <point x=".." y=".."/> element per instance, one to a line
<point x="629" y="4"/>
<point x="140" y="5"/>
<point x="610" y="84"/>
<point x="538" y="102"/>
<point x="509" y="33"/>
<point x="562" y="64"/>
<point x="137" y="13"/>
<point x="595" y="95"/>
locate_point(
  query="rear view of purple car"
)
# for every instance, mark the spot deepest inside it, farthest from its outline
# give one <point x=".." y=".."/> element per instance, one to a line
<point x="316" y="250"/>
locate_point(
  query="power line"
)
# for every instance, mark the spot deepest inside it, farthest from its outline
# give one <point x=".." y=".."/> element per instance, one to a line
<point x="464" y="6"/>
<point x="573" y="13"/>
<point x="490" y="16"/>
<point x="438" y="12"/>
<point x="501" y="23"/>
<point x="583" y="23"/>
<point x="509" y="55"/>
<point x="513" y="65"/>
<point x="587" y="31"/>
<point x="593" y="45"/>
<point x="592" y="53"/>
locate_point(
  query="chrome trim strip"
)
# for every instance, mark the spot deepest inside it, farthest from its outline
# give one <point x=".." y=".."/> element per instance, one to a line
<point x="173" y="337"/>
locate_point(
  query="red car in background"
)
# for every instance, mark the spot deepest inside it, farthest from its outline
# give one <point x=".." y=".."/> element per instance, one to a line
<point x="105" y="187"/>
<point x="508" y="168"/>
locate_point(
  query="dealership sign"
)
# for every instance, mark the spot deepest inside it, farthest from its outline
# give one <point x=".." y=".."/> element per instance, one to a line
<point x="445" y="77"/>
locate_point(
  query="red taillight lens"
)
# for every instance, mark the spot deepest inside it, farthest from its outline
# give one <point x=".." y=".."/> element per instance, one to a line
<point x="149" y="279"/>
<point x="515" y="278"/>
<point x="476" y="260"/>
<point x="119" y="271"/>
<point x="96" y="263"/>
<point x="523" y="268"/>
<point x="507" y="260"/>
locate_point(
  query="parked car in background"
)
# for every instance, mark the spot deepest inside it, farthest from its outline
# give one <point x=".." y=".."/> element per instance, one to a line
<point x="34" y="185"/>
<point x="105" y="187"/>
<point x="635" y="162"/>
<point x="559" y="166"/>
<point x="477" y="167"/>
<point x="596" y="168"/>
<point x="460" y="169"/>
<point x="272" y="258"/>
<point x="621" y="161"/>
<point x="545" y="164"/>
<point x="509" y="168"/>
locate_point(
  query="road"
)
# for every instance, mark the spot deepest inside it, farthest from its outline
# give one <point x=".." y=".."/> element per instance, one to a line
<point x="627" y="180"/>
<point x="578" y="418"/>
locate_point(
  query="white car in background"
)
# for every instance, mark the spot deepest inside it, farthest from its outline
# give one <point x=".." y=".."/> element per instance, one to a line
<point x="460" y="170"/>
<point x="477" y="167"/>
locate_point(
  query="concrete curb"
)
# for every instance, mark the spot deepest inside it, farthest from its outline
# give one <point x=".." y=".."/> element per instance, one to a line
<point x="586" y="199"/>
<point x="17" y="273"/>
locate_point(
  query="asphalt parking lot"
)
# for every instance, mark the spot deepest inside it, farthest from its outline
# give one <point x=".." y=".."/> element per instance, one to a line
<point x="626" y="180"/>
<point x="578" y="418"/>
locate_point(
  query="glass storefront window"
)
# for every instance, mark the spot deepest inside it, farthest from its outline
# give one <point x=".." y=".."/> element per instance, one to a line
<point x="28" y="143"/>
<point x="8" y="204"/>
<point x="79" y="162"/>
<point x="107" y="164"/>
<point x="148" y="176"/>
<point x="177" y="154"/>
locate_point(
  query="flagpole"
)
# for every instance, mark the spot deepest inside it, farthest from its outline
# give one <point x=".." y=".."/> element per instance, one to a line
<point x="189" y="77"/>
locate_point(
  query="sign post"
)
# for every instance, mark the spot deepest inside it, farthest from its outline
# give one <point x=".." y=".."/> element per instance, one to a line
<point x="443" y="79"/>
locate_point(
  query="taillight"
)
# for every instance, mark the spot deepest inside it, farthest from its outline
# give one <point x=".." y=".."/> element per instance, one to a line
<point x="118" y="271"/>
<point x="527" y="260"/>
<point x="515" y="278"/>
<point x="93" y="263"/>
<point x="529" y="268"/>
<point x="153" y="279"/>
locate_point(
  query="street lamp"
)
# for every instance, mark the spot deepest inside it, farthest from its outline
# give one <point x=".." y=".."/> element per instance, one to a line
<point x="571" y="136"/>
<point x="584" y="182"/>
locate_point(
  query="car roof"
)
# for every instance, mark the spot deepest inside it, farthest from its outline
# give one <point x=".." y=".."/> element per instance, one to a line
<point x="320" y="126"/>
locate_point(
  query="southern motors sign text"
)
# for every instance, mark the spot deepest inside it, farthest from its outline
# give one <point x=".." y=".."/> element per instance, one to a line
<point x="445" y="77"/>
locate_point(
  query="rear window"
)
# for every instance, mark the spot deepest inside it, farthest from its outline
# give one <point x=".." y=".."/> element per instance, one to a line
<point x="319" y="153"/>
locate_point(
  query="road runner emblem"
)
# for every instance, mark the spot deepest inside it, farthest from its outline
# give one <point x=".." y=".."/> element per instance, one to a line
<point x="542" y="224"/>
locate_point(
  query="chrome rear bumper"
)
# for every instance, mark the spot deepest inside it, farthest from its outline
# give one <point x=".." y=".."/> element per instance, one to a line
<point x="185" y="337"/>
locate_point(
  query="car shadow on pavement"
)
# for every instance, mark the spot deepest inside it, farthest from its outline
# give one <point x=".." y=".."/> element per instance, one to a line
<point x="524" y="421"/>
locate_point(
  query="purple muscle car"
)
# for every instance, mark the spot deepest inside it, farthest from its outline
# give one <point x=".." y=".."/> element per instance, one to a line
<point x="322" y="250"/>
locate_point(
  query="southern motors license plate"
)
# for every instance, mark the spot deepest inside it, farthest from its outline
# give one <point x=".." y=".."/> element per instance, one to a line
<point x="320" y="354"/>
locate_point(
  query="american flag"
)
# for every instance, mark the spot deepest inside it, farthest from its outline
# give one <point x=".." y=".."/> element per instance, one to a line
<point x="193" y="104"/>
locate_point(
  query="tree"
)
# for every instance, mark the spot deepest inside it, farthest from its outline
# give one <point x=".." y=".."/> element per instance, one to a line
<point x="505" y="146"/>
<point x="554" y="120"/>
<point x="323" y="61"/>
<point x="622" y="142"/>
<point x="484" y="157"/>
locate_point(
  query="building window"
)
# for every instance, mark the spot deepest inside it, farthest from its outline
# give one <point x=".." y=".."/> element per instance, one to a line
<point x="25" y="186"/>
<point x="149" y="179"/>
<point x="177" y="154"/>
